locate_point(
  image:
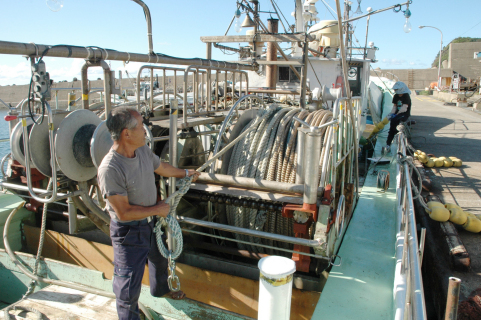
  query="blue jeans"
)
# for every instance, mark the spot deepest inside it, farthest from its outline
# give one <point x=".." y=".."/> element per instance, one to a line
<point x="134" y="243"/>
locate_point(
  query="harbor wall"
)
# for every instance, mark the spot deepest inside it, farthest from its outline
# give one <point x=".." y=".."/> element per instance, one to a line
<point x="13" y="94"/>
<point x="413" y="78"/>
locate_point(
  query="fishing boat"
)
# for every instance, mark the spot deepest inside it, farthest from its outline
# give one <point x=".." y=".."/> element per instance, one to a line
<point x="280" y="161"/>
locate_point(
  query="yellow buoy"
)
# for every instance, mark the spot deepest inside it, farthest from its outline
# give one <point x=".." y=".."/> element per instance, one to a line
<point x="424" y="153"/>
<point x="442" y="158"/>
<point x="448" y="162"/>
<point x="470" y="214"/>
<point x="457" y="216"/>
<point x="449" y="206"/>
<point x="385" y="121"/>
<point x="423" y="158"/>
<point x="439" y="214"/>
<point x="375" y="130"/>
<point x="472" y="224"/>
<point x="438" y="163"/>
<point x="432" y="204"/>
<point x="457" y="163"/>
<point x="452" y="158"/>
<point x="430" y="163"/>
<point x="418" y="151"/>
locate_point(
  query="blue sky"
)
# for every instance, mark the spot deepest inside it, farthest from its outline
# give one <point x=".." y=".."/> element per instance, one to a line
<point x="178" y="25"/>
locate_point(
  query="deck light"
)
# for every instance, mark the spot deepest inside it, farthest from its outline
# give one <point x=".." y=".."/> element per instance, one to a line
<point x="407" y="25"/>
<point x="248" y="23"/>
<point x="237" y="26"/>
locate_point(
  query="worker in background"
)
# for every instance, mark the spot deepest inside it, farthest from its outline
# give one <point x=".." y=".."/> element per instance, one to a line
<point x="127" y="181"/>
<point x="401" y="110"/>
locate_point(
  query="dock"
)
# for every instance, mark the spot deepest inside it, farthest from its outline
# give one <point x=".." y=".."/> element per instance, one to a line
<point x="443" y="129"/>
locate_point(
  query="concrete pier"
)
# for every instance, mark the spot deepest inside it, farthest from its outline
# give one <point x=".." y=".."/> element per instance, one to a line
<point x="445" y="130"/>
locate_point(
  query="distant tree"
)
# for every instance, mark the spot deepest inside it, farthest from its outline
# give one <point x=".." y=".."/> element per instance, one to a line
<point x="445" y="54"/>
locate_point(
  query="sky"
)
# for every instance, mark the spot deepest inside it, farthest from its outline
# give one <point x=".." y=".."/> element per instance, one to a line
<point x="178" y="26"/>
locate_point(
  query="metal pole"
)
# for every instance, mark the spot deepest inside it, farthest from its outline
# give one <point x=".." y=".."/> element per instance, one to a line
<point x="28" y="49"/>
<point x="311" y="171"/>
<point x="440" y="52"/>
<point x="174" y="110"/>
<point x="302" y="99"/>
<point x="453" y="299"/>
<point x="301" y="138"/>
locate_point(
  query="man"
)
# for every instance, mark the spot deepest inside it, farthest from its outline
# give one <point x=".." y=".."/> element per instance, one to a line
<point x="127" y="181"/>
<point x="401" y="110"/>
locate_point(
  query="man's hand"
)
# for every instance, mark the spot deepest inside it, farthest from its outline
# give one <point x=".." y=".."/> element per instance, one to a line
<point x="194" y="173"/>
<point x="163" y="208"/>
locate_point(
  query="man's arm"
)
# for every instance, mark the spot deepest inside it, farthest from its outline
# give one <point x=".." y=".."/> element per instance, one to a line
<point x="126" y="211"/>
<point x="166" y="170"/>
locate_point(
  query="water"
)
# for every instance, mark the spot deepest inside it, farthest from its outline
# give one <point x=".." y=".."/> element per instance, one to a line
<point x="4" y="145"/>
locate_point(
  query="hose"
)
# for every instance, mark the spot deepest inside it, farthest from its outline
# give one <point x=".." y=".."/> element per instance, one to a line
<point x="61" y="283"/>
<point x="33" y="284"/>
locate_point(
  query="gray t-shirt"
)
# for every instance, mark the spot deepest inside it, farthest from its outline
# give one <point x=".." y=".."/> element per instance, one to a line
<point x="131" y="177"/>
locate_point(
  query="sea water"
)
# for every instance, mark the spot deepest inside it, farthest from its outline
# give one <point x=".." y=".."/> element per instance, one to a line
<point x="4" y="134"/>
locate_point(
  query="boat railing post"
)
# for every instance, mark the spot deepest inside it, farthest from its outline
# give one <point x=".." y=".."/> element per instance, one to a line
<point x="452" y="299"/>
<point x="301" y="136"/>
<point x="174" y="108"/>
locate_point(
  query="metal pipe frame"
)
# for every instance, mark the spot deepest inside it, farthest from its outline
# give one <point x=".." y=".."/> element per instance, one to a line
<point x="85" y="85"/>
<point x="311" y="174"/>
<point x="53" y="157"/>
<point x="253" y="183"/>
<point x="249" y="232"/>
<point x="208" y="85"/>
<point x="151" y="68"/>
<point x="254" y="244"/>
<point x="42" y="192"/>
<point x="67" y="51"/>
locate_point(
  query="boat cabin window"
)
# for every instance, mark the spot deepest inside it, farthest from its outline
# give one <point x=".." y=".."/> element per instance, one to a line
<point x="287" y="75"/>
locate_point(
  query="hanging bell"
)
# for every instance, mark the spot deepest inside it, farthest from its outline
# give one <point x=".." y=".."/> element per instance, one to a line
<point x="248" y="23"/>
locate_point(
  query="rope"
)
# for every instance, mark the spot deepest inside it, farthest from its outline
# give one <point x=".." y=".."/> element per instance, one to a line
<point x="8" y="316"/>
<point x="33" y="283"/>
<point x="174" y="199"/>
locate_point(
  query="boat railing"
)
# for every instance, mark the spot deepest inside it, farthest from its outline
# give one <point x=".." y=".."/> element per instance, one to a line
<point x="338" y="170"/>
<point x="209" y="84"/>
<point x="408" y="284"/>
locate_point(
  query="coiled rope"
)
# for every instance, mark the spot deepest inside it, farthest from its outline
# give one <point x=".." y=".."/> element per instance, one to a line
<point x="270" y="153"/>
<point x="174" y="199"/>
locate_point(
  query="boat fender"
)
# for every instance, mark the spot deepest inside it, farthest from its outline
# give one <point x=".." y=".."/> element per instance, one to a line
<point x="434" y="204"/>
<point x="442" y="158"/>
<point x="449" y="206"/>
<point x="458" y="216"/>
<point x="472" y="223"/>
<point x="385" y="121"/>
<point x="375" y="130"/>
<point x="457" y="163"/>
<point x="438" y="163"/>
<point x="448" y="163"/>
<point x="453" y="158"/>
<point x="439" y="214"/>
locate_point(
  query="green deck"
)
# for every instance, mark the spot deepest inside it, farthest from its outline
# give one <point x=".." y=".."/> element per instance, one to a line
<point x="362" y="286"/>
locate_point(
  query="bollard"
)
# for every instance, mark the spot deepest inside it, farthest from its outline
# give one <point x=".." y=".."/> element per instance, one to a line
<point x="275" y="288"/>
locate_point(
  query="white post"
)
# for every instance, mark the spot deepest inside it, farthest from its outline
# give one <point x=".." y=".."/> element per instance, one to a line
<point x="275" y="288"/>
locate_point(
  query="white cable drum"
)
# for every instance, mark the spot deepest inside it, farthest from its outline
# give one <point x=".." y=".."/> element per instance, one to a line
<point x="275" y="288"/>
